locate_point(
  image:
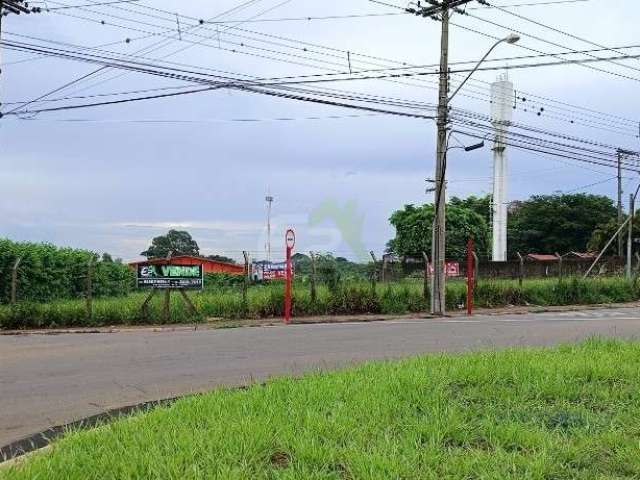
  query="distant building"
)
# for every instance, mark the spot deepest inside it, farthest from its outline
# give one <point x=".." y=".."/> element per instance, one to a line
<point x="209" y="266"/>
<point x="582" y="255"/>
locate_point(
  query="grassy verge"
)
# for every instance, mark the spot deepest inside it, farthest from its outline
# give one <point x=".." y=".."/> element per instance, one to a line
<point x="564" y="413"/>
<point x="266" y="301"/>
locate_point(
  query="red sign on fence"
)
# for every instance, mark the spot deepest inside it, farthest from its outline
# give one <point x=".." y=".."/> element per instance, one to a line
<point x="452" y="269"/>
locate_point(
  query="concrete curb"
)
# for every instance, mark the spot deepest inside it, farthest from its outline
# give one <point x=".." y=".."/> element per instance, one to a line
<point x="41" y="440"/>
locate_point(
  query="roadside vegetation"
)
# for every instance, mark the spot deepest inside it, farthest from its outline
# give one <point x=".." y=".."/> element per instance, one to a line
<point x="223" y="299"/>
<point x="564" y="413"/>
<point x="47" y="272"/>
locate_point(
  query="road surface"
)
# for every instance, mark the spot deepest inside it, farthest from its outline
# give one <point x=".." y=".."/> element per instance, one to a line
<point x="49" y="380"/>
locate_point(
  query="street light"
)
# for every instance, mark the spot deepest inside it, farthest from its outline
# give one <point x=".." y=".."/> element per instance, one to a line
<point x="510" y="39"/>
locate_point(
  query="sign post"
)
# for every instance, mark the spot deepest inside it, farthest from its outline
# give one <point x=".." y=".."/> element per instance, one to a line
<point x="169" y="277"/>
<point x="470" y="272"/>
<point x="290" y="241"/>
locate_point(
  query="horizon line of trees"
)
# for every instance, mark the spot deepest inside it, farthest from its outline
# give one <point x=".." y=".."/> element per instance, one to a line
<point x="556" y="223"/>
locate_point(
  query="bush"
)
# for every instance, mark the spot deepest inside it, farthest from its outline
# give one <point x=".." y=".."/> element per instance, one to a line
<point x="47" y="272"/>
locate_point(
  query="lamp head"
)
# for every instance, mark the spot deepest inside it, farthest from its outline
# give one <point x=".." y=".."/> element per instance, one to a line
<point x="512" y="38"/>
<point x="476" y="146"/>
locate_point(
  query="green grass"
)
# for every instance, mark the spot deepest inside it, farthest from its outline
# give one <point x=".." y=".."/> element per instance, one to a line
<point x="352" y="298"/>
<point x="563" y="413"/>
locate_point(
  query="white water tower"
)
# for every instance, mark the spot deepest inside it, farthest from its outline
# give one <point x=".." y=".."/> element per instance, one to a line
<point x="502" y="95"/>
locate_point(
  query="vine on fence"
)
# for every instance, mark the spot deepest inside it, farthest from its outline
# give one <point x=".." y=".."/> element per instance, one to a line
<point x="46" y="272"/>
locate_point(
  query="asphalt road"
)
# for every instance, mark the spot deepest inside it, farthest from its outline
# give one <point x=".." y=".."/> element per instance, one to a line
<point x="49" y="380"/>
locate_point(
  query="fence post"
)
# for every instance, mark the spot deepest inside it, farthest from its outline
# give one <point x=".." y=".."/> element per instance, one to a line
<point x="89" y="295"/>
<point x="374" y="274"/>
<point x="14" y="280"/>
<point x="425" y="288"/>
<point x="521" y="269"/>
<point x="470" y="268"/>
<point x="314" y="293"/>
<point x="166" y="309"/>
<point x="246" y="280"/>
<point x="560" y="272"/>
<point x="383" y="276"/>
<point x="637" y="261"/>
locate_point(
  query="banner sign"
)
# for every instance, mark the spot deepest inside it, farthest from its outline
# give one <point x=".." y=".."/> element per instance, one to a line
<point x="269" y="271"/>
<point x="170" y="276"/>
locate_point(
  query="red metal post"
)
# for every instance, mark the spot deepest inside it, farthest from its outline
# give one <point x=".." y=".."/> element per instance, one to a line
<point x="470" y="272"/>
<point x="290" y="240"/>
<point x="287" y="290"/>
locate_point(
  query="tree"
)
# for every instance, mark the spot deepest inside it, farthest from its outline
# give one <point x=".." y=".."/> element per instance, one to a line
<point x="220" y="258"/>
<point x="480" y="205"/>
<point x="557" y="223"/>
<point x="604" y="232"/>
<point x="413" y="230"/>
<point x="175" y="241"/>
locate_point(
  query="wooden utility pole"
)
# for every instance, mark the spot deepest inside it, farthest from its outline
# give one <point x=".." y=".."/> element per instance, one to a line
<point x="632" y="208"/>
<point x="440" y="10"/>
<point x="438" y="278"/>
<point x="620" y="152"/>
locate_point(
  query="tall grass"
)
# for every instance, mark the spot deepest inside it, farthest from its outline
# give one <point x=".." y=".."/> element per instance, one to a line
<point x="351" y="298"/>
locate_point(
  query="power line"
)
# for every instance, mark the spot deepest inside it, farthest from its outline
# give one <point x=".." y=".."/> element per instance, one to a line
<point x="53" y="9"/>
<point x="584" y="187"/>
<point x="590" y="123"/>
<point x="310" y="18"/>
<point x="540" y="39"/>
<point x="97" y="71"/>
<point x="342" y="51"/>
<point x="252" y="85"/>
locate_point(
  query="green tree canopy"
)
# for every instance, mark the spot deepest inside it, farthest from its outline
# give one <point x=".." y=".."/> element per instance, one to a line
<point x="480" y="205"/>
<point x="557" y="223"/>
<point x="176" y="241"/>
<point x="221" y="258"/>
<point x="604" y="232"/>
<point x="413" y="230"/>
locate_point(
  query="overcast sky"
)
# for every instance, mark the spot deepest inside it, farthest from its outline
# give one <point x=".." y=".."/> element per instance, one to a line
<point x="111" y="178"/>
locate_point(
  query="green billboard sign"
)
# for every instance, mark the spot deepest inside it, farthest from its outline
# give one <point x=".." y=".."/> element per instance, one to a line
<point x="170" y="276"/>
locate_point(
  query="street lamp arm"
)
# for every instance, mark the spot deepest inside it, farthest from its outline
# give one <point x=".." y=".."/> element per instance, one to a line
<point x="512" y="38"/>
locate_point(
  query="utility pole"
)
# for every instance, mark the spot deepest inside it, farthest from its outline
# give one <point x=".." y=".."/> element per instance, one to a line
<point x="632" y="207"/>
<point x="620" y="200"/>
<point x="438" y="246"/>
<point x="440" y="11"/>
<point x="622" y="154"/>
<point x="269" y="200"/>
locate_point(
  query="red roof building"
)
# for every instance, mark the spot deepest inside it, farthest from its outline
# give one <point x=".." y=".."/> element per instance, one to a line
<point x="209" y="266"/>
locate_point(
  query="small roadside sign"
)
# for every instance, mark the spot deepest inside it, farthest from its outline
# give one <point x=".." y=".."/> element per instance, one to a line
<point x="290" y="238"/>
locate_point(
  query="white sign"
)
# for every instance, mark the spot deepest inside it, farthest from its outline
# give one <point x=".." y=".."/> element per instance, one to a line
<point x="290" y="238"/>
